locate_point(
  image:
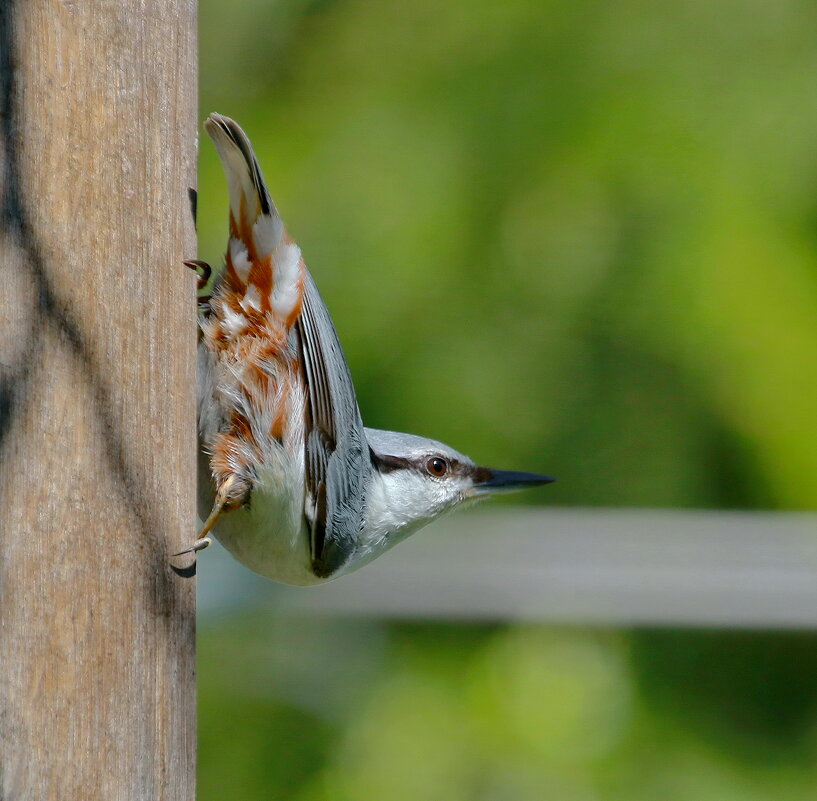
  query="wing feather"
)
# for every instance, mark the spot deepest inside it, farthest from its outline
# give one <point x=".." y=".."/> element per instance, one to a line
<point x="337" y="456"/>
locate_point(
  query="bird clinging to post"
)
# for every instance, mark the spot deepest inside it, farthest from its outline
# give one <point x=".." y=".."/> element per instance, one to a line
<point x="302" y="491"/>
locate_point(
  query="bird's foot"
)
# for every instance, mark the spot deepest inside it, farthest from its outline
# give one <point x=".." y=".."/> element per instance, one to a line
<point x="203" y="269"/>
<point x="204" y="272"/>
<point x="199" y="545"/>
<point x="203" y="541"/>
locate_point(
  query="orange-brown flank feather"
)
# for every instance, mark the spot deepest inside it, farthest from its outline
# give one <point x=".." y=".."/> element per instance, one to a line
<point x="254" y="353"/>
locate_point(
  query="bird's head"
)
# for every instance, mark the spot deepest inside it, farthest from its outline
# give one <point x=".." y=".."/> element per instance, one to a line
<point x="417" y="479"/>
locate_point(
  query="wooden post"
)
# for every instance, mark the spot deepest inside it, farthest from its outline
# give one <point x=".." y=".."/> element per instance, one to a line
<point x="97" y="418"/>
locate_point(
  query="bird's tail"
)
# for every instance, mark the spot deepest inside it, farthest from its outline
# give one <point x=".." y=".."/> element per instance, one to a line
<point x="264" y="267"/>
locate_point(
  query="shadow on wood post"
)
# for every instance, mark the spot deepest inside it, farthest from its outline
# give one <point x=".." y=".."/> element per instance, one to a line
<point x="97" y="399"/>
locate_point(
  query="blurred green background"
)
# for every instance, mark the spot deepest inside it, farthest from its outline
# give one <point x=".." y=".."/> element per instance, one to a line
<point x="571" y="237"/>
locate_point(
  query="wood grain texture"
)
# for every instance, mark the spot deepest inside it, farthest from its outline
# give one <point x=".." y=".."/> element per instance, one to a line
<point x="98" y="127"/>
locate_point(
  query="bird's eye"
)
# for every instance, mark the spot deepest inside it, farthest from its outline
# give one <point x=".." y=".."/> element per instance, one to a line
<point x="437" y="466"/>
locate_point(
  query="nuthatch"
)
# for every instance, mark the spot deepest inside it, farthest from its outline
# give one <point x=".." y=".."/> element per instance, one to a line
<point x="302" y="491"/>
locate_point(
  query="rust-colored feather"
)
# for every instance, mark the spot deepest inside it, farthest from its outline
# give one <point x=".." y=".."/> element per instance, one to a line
<point x="252" y="309"/>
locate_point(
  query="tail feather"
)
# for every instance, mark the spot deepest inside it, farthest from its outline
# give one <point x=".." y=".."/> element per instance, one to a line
<point x="244" y="175"/>
<point x="264" y="268"/>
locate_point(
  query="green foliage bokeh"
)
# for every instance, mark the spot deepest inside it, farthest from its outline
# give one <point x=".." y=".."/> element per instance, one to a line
<point x="572" y="237"/>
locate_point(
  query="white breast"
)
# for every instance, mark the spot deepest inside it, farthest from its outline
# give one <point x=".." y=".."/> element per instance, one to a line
<point x="270" y="536"/>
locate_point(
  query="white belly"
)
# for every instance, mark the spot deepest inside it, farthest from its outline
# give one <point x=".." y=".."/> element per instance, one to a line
<point x="269" y="536"/>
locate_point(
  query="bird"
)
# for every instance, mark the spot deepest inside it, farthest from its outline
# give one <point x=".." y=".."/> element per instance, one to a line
<point x="297" y="489"/>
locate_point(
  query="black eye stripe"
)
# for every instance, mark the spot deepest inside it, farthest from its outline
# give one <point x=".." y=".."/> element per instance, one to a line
<point x="387" y="464"/>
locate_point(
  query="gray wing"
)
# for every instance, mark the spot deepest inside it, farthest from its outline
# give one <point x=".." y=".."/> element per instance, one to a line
<point x="337" y="453"/>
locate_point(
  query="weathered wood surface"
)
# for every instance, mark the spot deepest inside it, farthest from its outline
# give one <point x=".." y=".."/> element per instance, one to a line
<point x="97" y="421"/>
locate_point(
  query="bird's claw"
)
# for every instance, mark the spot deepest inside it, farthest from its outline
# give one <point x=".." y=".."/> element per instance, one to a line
<point x="198" y="545"/>
<point x="203" y="269"/>
<point x="203" y="540"/>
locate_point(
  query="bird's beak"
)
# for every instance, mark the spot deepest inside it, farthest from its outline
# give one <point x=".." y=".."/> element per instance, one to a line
<point x="487" y="480"/>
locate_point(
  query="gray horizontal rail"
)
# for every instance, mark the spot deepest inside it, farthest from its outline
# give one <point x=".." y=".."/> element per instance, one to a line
<point x="601" y="566"/>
